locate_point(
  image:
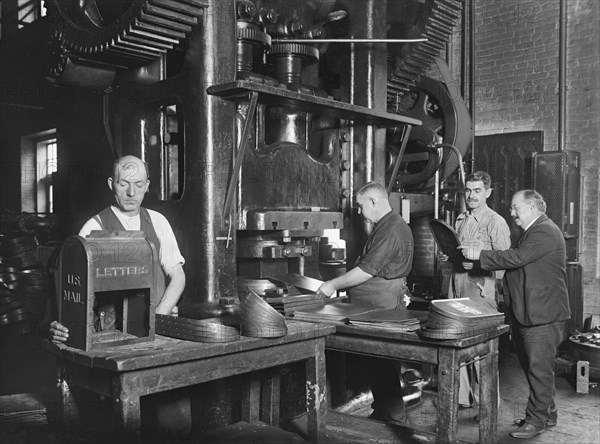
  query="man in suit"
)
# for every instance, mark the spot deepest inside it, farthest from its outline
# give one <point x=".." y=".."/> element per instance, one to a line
<point x="537" y="302"/>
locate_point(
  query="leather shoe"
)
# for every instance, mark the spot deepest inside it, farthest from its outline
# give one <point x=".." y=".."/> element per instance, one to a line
<point x="527" y="431"/>
<point x="384" y="416"/>
<point x="550" y="422"/>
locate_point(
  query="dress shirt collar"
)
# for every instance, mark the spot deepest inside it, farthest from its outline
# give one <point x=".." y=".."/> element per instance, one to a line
<point x="478" y="216"/>
<point x="532" y="222"/>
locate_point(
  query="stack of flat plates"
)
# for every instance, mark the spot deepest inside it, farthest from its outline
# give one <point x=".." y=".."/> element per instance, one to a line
<point x="335" y="312"/>
<point x="391" y="319"/>
<point x="259" y="319"/>
<point x="459" y="318"/>
<point x="21" y="248"/>
<point x="223" y="329"/>
<point x="11" y="306"/>
<point x="288" y="304"/>
<point x="34" y="289"/>
<point x="297" y="280"/>
<point x="25" y="287"/>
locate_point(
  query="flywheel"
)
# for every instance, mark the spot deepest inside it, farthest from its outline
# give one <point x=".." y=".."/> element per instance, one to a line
<point x="445" y="118"/>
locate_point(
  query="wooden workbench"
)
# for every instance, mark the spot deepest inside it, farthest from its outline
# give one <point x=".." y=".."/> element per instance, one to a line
<point x="126" y="373"/>
<point x="447" y="355"/>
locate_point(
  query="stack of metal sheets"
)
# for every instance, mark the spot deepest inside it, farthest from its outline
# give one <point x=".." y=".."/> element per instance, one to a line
<point x="459" y="318"/>
<point x="25" y="287"/>
<point x="335" y="312"/>
<point x="390" y="320"/>
<point x="258" y="319"/>
<point x="294" y="292"/>
<point x="287" y="304"/>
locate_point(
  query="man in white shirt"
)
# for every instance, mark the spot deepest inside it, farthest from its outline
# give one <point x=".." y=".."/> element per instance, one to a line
<point x="129" y="183"/>
<point x="482" y="224"/>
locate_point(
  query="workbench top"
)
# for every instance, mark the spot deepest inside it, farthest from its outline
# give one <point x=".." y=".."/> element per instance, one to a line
<point x="164" y="350"/>
<point x="413" y="337"/>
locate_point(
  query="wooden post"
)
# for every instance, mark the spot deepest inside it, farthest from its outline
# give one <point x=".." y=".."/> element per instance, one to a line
<point x="316" y="400"/>
<point x="488" y="394"/>
<point x="271" y="385"/>
<point x="251" y="398"/>
<point x="127" y="415"/>
<point x="448" y="382"/>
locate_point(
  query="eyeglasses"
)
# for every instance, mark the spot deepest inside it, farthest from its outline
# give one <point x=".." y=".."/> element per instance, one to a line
<point x="518" y="207"/>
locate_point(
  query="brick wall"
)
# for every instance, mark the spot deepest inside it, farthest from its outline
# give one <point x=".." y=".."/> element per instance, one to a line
<point x="583" y="132"/>
<point x="516" y="89"/>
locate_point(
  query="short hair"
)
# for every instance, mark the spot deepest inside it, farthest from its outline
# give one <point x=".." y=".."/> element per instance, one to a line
<point x="534" y="198"/>
<point x="480" y="176"/>
<point x="374" y="188"/>
<point x="118" y="162"/>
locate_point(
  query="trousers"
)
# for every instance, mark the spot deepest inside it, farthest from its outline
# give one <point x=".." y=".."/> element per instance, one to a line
<point x="536" y="349"/>
<point x="381" y="374"/>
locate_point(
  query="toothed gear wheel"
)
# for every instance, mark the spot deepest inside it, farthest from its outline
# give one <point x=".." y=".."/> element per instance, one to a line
<point x="253" y="34"/>
<point x="122" y="33"/>
<point x="57" y="57"/>
<point x="430" y="19"/>
<point x="297" y="49"/>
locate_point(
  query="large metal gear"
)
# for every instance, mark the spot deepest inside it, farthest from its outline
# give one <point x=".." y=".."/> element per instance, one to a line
<point x="430" y="19"/>
<point x="122" y="34"/>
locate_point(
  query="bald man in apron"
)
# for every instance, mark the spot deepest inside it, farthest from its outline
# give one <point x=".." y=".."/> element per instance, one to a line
<point x="378" y="279"/>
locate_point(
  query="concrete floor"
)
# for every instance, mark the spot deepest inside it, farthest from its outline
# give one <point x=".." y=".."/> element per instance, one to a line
<point x="578" y="420"/>
<point x="25" y="368"/>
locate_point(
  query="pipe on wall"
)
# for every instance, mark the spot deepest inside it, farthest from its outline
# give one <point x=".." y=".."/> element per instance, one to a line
<point x="467" y="57"/>
<point x="472" y="79"/>
<point x="463" y="50"/>
<point x="562" y="77"/>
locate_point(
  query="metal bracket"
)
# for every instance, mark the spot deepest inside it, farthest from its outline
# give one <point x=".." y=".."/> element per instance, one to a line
<point x="405" y="136"/>
<point x="240" y="154"/>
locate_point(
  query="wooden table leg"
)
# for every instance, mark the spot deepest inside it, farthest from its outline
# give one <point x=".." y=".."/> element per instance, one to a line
<point x="488" y="394"/>
<point x="260" y="397"/>
<point x="251" y="397"/>
<point x="316" y="385"/>
<point x="68" y="407"/>
<point x="448" y="382"/>
<point x="127" y="416"/>
<point x="270" y="396"/>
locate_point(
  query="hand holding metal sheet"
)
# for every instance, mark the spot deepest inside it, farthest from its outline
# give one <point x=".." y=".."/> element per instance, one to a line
<point x="471" y="249"/>
<point x="447" y="240"/>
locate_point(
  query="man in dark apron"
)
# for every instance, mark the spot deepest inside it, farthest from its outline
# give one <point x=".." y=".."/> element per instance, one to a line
<point x="129" y="183"/>
<point x="378" y="279"/>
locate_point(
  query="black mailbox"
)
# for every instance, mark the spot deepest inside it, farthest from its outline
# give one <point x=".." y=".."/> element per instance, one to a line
<point x="107" y="289"/>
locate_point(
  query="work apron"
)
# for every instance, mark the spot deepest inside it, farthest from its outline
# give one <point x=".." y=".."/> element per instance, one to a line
<point x="109" y="221"/>
<point x="379" y="292"/>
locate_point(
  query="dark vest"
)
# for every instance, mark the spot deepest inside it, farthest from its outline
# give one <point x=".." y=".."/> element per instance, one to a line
<point x="109" y="221"/>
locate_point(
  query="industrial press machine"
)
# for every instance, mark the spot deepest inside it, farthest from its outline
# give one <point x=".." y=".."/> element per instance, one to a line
<point x="260" y="119"/>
